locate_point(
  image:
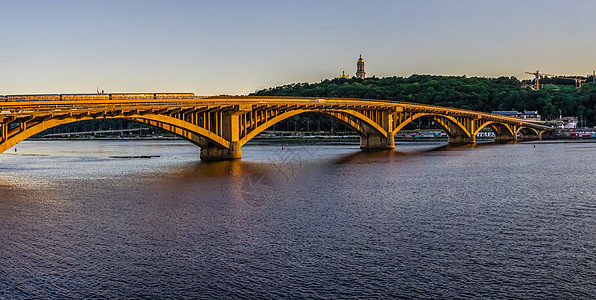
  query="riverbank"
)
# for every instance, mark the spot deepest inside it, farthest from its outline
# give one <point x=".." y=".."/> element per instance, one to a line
<point x="269" y="137"/>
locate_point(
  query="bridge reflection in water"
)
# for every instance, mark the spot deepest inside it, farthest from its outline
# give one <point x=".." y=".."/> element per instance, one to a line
<point x="222" y="125"/>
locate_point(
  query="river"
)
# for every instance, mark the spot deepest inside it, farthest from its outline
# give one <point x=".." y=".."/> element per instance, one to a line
<point x="135" y="219"/>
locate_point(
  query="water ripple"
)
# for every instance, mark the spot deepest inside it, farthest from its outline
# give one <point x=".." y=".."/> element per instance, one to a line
<point x="428" y="221"/>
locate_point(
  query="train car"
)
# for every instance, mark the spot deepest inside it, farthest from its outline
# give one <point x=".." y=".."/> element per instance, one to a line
<point x="136" y="96"/>
<point x="75" y="97"/>
<point x="80" y="97"/>
<point x="99" y="97"/>
<point x="46" y="97"/>
<point x="174" y="96"/>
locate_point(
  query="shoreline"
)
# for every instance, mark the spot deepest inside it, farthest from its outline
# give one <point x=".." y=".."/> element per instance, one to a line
<point x="291" y="139"/>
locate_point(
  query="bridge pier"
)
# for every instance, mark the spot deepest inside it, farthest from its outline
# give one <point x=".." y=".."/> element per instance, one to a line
<point x="376" y="142"/>
<point x="504" y="138"/>
<point x="532" y="137"/>
<point x="461" y="140"/>
<point x="230" y="130"/>
<point x="373" y="140"/>
<point x="212" y="152"/>
<point x="503" y="134"/>
<point x="528" y="134"/>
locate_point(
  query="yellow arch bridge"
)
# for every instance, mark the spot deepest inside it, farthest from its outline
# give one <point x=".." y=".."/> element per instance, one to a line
<point x="221" y="125"/>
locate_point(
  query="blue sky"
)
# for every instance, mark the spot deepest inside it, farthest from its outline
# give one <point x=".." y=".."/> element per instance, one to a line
<point x="237" y="47"/>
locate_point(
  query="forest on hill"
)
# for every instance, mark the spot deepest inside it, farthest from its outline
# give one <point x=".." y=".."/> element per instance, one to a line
<point x="475" y="93"/>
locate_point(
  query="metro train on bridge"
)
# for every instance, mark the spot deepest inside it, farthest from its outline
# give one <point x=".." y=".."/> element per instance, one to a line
<point x="75" y="97"/>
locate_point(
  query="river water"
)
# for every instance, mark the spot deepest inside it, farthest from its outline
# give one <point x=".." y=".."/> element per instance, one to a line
<point x="133" y="219"/>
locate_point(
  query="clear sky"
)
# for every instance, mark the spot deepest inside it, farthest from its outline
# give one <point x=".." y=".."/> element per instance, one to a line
<point x="237" y="47"/>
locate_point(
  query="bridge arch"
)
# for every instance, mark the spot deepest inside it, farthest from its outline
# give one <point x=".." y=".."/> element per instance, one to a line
<point x="452" y="126"/>
<point x="351" y="118"/>
<point x="503" y="132"/>
<point x="497" y="127"/>
<point x="185" y="130"/>
<point x="528" y="133"/>
<point x="179" y="127"/>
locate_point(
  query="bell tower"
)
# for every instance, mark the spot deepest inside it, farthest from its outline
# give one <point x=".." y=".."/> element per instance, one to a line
<point x="360" y="73"/>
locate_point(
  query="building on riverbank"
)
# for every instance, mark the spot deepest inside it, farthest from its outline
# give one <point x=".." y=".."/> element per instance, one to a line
<point x="528" y="115"/>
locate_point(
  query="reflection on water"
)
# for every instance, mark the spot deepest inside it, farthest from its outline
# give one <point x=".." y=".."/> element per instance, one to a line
<point x="125" y="219"/>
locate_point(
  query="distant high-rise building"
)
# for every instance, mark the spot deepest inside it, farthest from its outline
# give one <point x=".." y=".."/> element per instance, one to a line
<point x="360" y="73"/>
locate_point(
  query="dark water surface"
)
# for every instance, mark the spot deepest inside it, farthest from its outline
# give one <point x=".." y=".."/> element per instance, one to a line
<point x="89" y="219"/>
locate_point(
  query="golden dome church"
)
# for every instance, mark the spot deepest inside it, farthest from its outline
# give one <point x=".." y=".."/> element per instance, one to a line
<point x="360" y="73"/>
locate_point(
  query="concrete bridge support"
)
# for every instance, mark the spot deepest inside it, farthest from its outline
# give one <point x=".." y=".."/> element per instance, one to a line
<point x="531" y="137"/>
<point x="504" y="138"/>
<point x="459" y="134"/>
<point x="230" y="131"/>
<point x="503" y="133"/>
<point x="461" y="140"/>
<point x="373" y="140"/>
<point x="212" y="152"/>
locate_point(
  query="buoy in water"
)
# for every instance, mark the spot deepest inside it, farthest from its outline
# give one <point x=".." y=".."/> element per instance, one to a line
<point x="282" y="147"/>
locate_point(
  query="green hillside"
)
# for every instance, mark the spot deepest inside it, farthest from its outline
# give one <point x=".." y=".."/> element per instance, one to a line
<point x="475" y="93"/>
